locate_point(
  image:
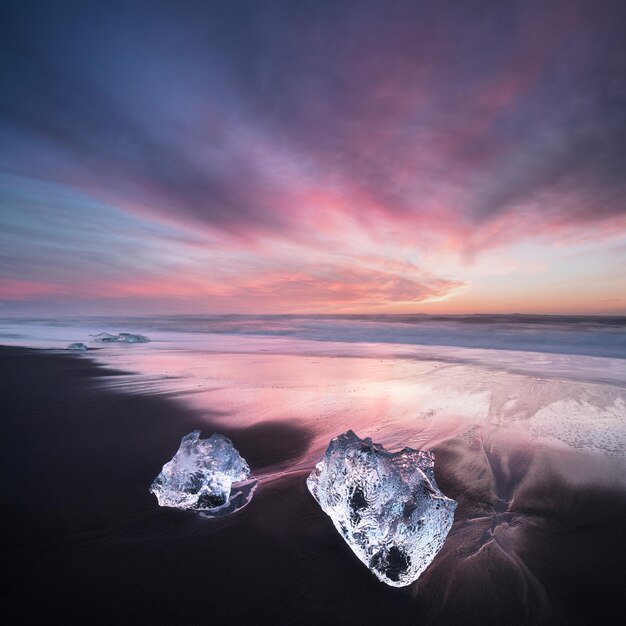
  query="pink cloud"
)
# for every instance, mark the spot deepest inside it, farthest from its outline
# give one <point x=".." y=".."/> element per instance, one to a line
<point x="15" y="289"/>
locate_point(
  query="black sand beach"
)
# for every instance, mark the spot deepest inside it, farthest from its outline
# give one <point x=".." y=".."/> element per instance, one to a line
<point x="86" y="543"/>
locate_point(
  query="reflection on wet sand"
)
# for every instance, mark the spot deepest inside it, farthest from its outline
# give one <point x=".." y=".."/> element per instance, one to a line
<point x="536" y="463"/>
<point x="537" y="538"/>
<point x="531" y="521"/>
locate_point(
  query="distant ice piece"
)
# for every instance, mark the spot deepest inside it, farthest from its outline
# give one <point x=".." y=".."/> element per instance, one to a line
<point x="130" y="338"/>
<point x="104" y="338"/>
<point x="386" y="505"/>
<point x="200" y="474"/>
<point x="77" y="346"/>
<point x="120" y="338"/>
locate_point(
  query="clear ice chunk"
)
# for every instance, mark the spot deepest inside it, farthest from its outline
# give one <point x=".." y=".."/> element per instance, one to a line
<point x="77" y="346"/>
<point x="386" y="505"/>
<point x="200" y="474"/>
<point x="119" y="338"/>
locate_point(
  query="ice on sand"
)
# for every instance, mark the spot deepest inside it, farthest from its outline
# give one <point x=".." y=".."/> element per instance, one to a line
<point x="119" y="338"/>
<point x="386" y="505"/>
<point x="200" y="474"/>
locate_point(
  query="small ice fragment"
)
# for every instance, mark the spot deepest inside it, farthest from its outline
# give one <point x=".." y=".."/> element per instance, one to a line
<point x="104" y="338"/>
<point x="200" y="474"/>
<point x="130" y="338"/>
<point x="77" y="346"/>
<point x="120" y="338"/>
<point x="386" y="505"/>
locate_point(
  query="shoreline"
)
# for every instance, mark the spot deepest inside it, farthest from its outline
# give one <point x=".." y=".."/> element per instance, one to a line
<point x="89" y="543"/>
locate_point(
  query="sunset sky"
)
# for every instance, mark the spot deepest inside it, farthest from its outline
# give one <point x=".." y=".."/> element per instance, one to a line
<point x="312" y="157"/>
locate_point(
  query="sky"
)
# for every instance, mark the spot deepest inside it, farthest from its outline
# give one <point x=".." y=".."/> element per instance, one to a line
<point x="312" y="157"/>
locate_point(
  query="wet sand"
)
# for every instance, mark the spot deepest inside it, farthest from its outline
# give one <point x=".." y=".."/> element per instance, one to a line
<point x="87" y="543"/>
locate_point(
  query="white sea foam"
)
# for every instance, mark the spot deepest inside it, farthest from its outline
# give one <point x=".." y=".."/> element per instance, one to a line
<point x="254" y="371"/>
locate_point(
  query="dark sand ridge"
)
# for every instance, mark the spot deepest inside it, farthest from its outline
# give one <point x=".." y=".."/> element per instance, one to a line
<point x="88" y="544"/>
